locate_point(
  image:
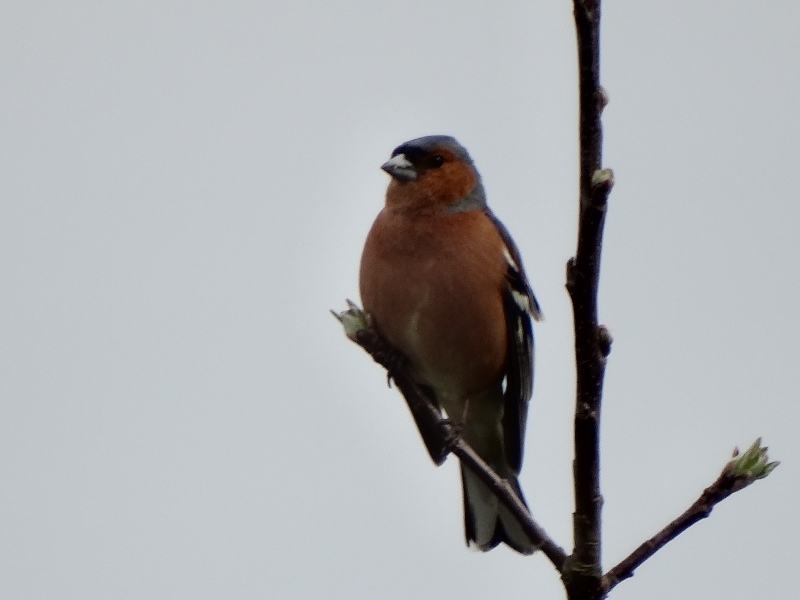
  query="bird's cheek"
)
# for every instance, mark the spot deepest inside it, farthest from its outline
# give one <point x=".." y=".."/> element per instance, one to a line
<point x="451" y="183"/>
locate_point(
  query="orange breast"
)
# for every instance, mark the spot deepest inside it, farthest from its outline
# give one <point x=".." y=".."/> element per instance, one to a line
<point x="433" y="286"/>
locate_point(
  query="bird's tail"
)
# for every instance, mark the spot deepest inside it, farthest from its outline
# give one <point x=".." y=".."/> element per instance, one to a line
<point x="486" y="521"/>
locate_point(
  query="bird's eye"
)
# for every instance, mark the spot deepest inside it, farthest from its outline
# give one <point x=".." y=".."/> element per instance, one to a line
<point x="436" y="161"/>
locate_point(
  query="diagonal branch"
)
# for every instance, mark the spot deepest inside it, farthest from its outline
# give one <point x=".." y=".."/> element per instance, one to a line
<point x="357" y="328"/>
<point x="582" y="574"/>
<point x="740" y="472"/>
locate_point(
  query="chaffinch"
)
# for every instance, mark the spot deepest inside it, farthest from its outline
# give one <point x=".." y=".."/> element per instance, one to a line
<point x="444" y="284"/>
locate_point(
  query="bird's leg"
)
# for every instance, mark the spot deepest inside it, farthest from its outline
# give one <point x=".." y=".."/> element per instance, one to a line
<point x="465" y="411"/>
<point x="452" y="428"/>
<point x="394" y="361"/>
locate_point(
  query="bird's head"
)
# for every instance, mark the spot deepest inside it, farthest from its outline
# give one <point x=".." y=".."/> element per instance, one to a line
<point x="433" y="174"/>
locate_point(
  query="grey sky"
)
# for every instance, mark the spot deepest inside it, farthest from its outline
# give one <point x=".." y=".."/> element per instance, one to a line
<point x="185" y="190"/>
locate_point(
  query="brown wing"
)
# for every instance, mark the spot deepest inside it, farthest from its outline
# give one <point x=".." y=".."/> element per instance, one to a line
<point x="520" y="307"/>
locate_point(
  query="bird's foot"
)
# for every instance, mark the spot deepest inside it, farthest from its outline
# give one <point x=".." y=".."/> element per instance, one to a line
<point x="452" y="428"/>
<point x="395" y="362"/>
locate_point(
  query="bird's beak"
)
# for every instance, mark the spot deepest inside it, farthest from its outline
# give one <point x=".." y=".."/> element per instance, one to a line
<point x="400" y="168"/>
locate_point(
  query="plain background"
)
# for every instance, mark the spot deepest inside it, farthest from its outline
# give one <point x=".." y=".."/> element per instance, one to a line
<point x="185" y="189"/>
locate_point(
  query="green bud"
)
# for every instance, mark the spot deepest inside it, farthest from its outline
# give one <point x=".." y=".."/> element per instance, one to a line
<point x="353" y="319"/>
<point x="752" y="464"/>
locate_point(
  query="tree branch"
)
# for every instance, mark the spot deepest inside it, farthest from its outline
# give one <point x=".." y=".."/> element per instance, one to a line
<point x="740" y="472"/>
<point x="583" y="570"/>
<point x="356" y="325"/>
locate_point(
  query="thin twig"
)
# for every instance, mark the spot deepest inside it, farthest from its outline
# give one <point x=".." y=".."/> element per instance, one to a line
<point x="582" y="574"/>
<point x="742" y="470"/>
<point x="420" y="406"/>
<point x="725" y="485"/>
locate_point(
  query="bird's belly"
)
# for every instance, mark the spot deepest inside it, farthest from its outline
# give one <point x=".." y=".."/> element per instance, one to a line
<point x="434" y="289"/>
<point x="455" y="341"/>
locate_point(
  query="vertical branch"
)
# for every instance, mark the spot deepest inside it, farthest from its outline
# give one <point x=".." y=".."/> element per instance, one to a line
<point x="583" y="571"/>
<point x="587" y="26"/>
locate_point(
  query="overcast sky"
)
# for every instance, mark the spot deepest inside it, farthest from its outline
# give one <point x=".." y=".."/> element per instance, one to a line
<point x="185" y="189"/>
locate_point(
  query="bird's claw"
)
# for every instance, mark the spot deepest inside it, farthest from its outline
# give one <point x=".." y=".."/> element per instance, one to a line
<point x="394" y="362"/>
<point x="452" y="430"/>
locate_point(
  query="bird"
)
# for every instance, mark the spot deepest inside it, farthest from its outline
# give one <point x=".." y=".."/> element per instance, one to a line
<point x="443" y="283"/>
